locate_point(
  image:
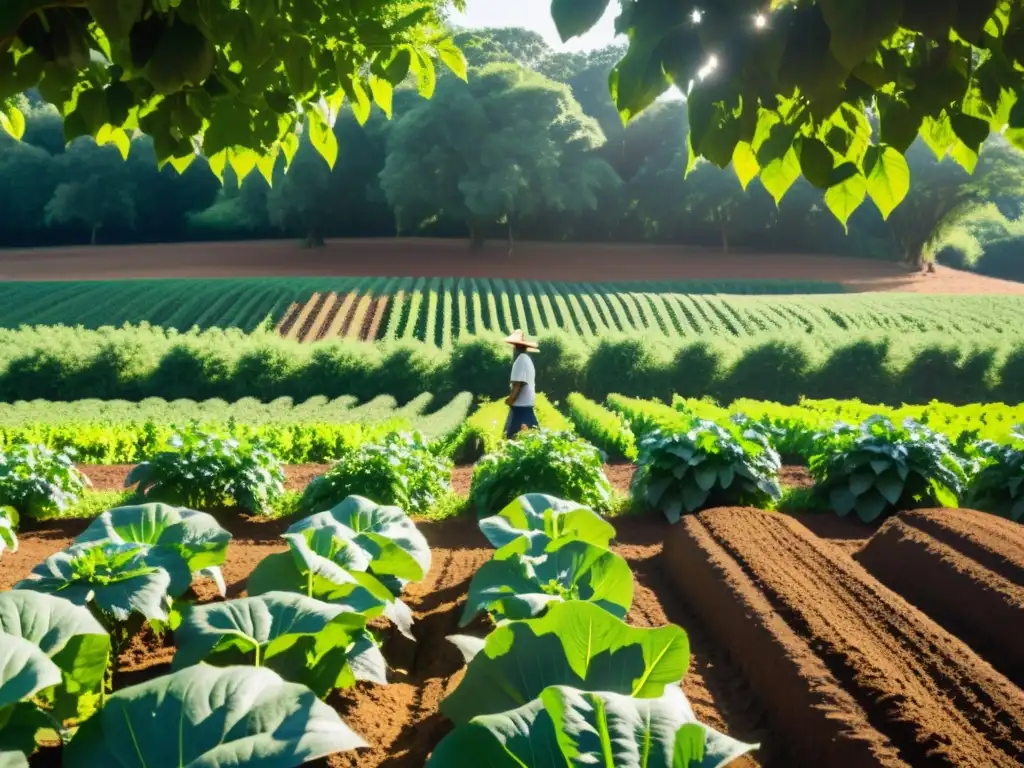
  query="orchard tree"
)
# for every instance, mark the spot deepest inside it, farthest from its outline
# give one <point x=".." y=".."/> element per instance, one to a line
<point x="778" y="88"/>
<point x="502" y="148"/>
<point x="96" y="190"/>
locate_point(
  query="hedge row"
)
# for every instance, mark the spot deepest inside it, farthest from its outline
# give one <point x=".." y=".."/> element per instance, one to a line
<point x="134" y="363"/>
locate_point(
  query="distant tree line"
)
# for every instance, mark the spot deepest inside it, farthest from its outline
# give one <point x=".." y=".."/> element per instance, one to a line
<point x="531" y="147"/>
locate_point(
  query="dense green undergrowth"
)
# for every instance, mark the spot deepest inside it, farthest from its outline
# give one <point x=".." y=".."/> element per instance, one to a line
<point x="892" y="367"/>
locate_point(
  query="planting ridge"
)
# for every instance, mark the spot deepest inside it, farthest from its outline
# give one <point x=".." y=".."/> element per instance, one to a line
<point x="848" y="672"/>
<point x="965" y="570"/>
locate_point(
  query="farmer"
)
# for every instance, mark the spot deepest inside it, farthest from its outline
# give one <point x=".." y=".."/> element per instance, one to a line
<point x="523" y="395"/>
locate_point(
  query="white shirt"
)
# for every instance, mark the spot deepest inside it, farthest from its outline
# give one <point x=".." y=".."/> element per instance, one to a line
<point x="523" y="372"/>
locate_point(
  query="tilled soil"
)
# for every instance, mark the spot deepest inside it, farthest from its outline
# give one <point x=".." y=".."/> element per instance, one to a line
<point x="849" y="673"/>
<point x="794" y="645"/>
<point x="965" y="570"/>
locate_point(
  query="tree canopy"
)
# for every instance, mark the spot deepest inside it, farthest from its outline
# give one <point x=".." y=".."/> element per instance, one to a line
<point x="232" y="81"/>
<point x="778" y="89"/>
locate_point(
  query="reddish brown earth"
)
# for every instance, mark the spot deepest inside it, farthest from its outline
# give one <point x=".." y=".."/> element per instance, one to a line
<point x="965" y="570"/>
<point x="794" y="644"/>
<point x="452" y="258"/>
<point x="848" y="672"/>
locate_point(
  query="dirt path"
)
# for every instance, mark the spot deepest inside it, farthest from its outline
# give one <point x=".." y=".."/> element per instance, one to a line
<point x="594" y="262"/>
<point x="965" y="570"/>
<point x="849" y="673"/>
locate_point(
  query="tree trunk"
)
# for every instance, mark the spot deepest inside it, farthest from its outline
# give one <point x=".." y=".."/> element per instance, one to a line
<point x="92" y="237"/>
<point x="725" y="238"/>
<point x="511" y="239"/>
<point x="476" y="237"/>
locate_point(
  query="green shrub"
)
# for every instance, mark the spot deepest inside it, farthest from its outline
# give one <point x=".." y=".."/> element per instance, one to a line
<point x="205" y="470"/>
<point x="708" y="465"/>
<point x="606" y="429"/>
<point x="540" y="461"/>
<point x="8" y="526"/>
<point x="999" y="485"/>
<point x="880" y="469"/>
<point x="38" y="482"/>
<point x="400" y="470"/>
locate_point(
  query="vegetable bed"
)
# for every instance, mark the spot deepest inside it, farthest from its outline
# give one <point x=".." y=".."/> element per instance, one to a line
<point x="401" y="721"/>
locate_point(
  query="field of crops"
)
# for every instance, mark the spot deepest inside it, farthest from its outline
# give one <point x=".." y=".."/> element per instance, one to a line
<point x="440" y="312"/>
<point x="823" y="641"/>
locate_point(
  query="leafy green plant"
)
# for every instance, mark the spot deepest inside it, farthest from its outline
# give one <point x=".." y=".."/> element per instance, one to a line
<point x="203" y="469"/>
<point x="542" y="519"/>
<point x="39" y="482"/>
<point x="606" y="429"/>
<point x="566" y="724"/>
<point x="317" y="644"/>
<point x="881" y="469"/>
<point x="401" y="469"/>
<point x="8" y="526"/>
<point x="325" y="568"/>
<point x="707" y="465"/>
<point x="196" y="537"/>
<point x="998" y="487"/>
<point x="116" y="581"/>
<point x="575" y="644"/>
<point x="557" y="463"/>
<point x="167" y="723"/>
<point x="517" y="585"/>
<point x="54" y="661"/>
<point x="396" y="551"/>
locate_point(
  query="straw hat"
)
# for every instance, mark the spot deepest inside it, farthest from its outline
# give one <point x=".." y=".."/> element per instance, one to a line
<point x="518" y="339"/>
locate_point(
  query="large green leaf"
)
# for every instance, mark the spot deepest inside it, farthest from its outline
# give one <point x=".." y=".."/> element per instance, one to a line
<point x="394" y="544"/>
<point x="575" y="644"/>
<point x="518" y="586"/>
<point x="25" y="671"/>
<point x="209" y="717"/>
<point x="566" y="726"/>
<point x="196" y="535"/>
<point x="318" y="578"/>
<point x="321" y="645"/>
<point x="70" y="636"/>
<point x="542" y="519"/>
<point x="576" y="17"/>
<point x="116" y="579"/>
<point x="888" y="178"/>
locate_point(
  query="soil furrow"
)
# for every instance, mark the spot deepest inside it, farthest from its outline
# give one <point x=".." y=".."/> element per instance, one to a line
<point x="340" y="316"/>
<point x="401" y="721"/>
<point x="909" y="686"/>
<point x="962" y="584"/>
<point x="324" y="317"/>
<point x="374" y="318"/>
<point x="356" y="325"/>
<point x="288" y="320"/>
<point x="311" y="316"/>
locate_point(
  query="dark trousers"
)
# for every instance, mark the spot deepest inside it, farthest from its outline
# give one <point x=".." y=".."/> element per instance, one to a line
<point x="520" y="416"/>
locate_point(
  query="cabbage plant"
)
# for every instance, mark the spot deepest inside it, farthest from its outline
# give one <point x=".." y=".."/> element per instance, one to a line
<point x="317" y="566"/>
<point x="8" y="526"/>
<point x="393" y="548"/>
<point x="116" y="581"/>
<point x="317" y="644"/>
<point x="999" y="485"/>
<point x="880" y="469"/>
<point x="203" y="469"/>
<point x="53" y="662"/>
<point x="400" y="469"/>
<point x="707" y="465"/>
<point x="542" y="519"/>
<point x="539" y="460"/>
<point x="516" y="585"/>
<point x="574" y="644"/>
<point x="211" y="717"/>
<point x="566" y="726"/>
<point x="196" y="537"/>
<point x="40" y="482"/>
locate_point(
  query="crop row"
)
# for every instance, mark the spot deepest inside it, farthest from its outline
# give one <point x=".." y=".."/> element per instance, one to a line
<point x="135" y="363"/>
